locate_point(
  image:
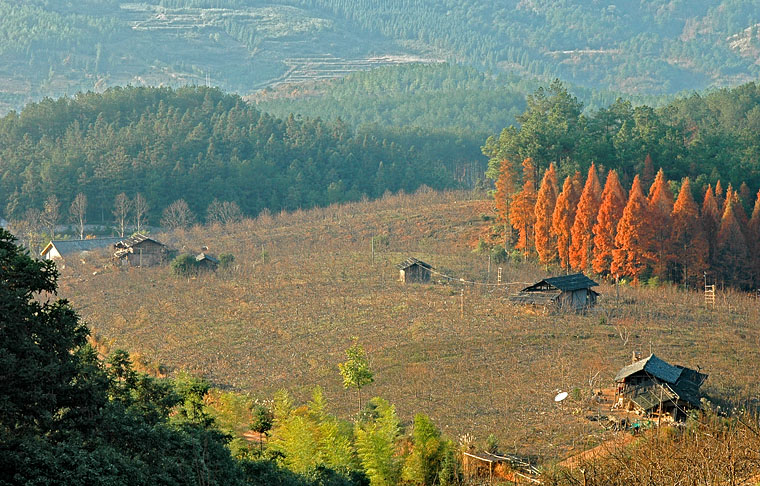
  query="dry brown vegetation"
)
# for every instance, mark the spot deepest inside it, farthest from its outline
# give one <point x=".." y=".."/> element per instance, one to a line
<point x="303" y="285"/>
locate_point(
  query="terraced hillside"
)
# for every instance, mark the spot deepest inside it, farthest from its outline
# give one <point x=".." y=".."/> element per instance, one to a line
<point x="304" y="285"/>
<point x="59" y="49"/>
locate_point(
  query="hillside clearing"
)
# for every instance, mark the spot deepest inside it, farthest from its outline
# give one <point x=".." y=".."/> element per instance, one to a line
<point x="304" y="286"/>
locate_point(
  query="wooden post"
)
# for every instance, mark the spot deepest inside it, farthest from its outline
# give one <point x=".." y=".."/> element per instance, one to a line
<point x="373" y="250"/>
<point x="488" y="278"/>
<point x="461" y="303"/>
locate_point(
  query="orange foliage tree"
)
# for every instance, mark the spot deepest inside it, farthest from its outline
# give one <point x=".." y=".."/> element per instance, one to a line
<point x="522" y="211"/>
<point x="562" y="219"/>
<point x="739" y="212"/>
<point x="546" y="241"/>
<point x="753" y="240"/>
<point x="687" y="237"/>
<point x="711" y="223"/>
<point x="605" y="229"/>
<point x="732" y="251"/>
<point x="660" y="209"/>
<point x="505" y="186"/>
<point x="582" y="236"/>
<point x="634" y="236"/>
<point x="719" y="197"/>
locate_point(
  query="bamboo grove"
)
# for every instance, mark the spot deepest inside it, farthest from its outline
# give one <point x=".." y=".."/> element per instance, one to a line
<point x="656" y="231"/>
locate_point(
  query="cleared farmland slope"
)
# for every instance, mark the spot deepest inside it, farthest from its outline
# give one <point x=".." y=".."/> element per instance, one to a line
<point x="304" y="286"/>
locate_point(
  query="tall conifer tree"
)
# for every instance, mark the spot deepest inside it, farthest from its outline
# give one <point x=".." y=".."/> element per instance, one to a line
<point x="505" y="186"/>
<point x="753" y="240"/>
<point x="546" y="241"/>
<point x="687" y="236"/>
<point x="711" y="223"/>
<point x="719" y="198"/>
<point x="582" y="237"/>
<point x="522" y="211"/>
<point x="562" y="219"/>
<point x="732" y="251"/>
<point x="634" y="236"/>
<point x="605" y="229"/>
<point x="660" y="209"/>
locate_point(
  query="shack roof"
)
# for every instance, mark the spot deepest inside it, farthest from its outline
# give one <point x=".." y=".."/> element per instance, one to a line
<point x="655" y="367"/>
<point x="410" y="262"/>
<point x="67" y="247"/>
<point x="203" y="256"/>
<point x="134" y="240"/>
<point x="565" y="283"/>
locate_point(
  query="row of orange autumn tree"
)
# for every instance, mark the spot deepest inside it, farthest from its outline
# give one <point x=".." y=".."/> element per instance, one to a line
<point x="586" y="227"/>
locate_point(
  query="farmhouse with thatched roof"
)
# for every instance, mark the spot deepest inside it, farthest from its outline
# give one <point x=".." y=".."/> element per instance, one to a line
<point x="565" y="292"/>
<point x="652" y="386"/>
<point x="412" y="270"/>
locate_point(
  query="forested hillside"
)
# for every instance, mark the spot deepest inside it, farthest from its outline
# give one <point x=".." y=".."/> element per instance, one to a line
<point x="54" y="48"/>
<point x="655" y="230"/>
<point x="197" y="144"/>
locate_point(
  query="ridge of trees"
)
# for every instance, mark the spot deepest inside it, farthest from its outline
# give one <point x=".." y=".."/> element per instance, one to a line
<point x="197" y="144"/>
<point x="643" y="238"/>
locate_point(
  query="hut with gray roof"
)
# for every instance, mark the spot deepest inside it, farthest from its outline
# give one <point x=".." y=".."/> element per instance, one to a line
<point x="651" y="386"/>
<point x="412" y="270"/>
<point x="140" y="251"/>
<point x="60" y="249"/>
<point x="570" y="292"/>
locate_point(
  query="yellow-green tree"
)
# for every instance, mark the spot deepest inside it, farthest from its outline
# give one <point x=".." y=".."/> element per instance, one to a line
<point x="355" y="370"/>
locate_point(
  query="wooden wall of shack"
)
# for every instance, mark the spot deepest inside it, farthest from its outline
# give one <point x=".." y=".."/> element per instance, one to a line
<point x="146" y="253"/>
<point x="415" y="274"/>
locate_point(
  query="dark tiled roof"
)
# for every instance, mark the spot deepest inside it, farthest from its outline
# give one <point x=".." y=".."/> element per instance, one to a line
<point x="133" y="240"/>
<point x="409" y="262"/>
<point x="569" y="283"/>
<point x="655" y="367"/>
<point x="67" y="247"/>
<point x="202" y="256"/>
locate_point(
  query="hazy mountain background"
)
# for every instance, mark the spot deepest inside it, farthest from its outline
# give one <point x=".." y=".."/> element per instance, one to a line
<point x="53" y="48"/>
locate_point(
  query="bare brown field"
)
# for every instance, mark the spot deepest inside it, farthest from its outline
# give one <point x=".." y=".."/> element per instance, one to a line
<point x="304" y="285"/>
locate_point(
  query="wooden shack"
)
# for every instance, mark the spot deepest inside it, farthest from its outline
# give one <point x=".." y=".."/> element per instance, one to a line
<point x="653" y="387"/>
<point x="571" y="292"/>
<point x="412" y="270"/>
<point x="478" y="466"/>
<point x="60" y="249"/>
<point x="141" y="251"/>
<point x="206" y="262"/>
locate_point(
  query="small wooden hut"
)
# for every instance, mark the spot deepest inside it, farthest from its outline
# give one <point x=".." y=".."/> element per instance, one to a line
<point x="206" y="262"/>
<point x="652" y="386"/>
<point x="565" y="292"/>
<point x="412" y="270"/>
<point x="141" y="251"/>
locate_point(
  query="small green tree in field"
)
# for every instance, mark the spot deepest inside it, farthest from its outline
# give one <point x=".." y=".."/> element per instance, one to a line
<point x="261" y="423"/>
<point x="355" y="370"/>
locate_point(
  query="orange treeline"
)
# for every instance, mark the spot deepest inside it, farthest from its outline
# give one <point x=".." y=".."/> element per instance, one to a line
<point x="663" y="232"/>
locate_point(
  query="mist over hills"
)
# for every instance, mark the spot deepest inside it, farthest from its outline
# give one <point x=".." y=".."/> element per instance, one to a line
<point x="54" y="48"/>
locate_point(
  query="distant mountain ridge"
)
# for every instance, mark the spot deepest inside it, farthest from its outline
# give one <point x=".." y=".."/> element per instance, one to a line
<point x="54" y="48"/>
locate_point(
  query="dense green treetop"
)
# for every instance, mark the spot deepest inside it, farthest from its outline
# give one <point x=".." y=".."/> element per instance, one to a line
<point x="706" y="137"/>
<point x="197" y="144"/>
